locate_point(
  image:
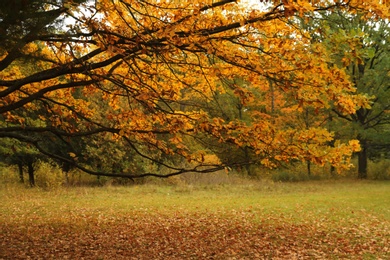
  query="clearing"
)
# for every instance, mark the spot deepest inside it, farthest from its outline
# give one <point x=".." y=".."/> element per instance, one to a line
<point x="264" y="220"/>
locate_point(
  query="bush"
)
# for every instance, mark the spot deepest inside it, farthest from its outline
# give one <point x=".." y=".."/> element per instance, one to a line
<point x="48" y="176"/>
<point x="8" y="175"/>
<point x="379" y="170"/>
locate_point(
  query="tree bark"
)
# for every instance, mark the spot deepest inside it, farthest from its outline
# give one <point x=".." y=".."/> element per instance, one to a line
<point x="362" y="160"/>
<point x="332" y="171"/>
<point x="308" y="168"/>
<point x="31" y="174"/>
<point x="20" y="167"/>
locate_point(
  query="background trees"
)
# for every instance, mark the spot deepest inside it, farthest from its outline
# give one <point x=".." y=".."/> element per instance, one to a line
<point x="142" y="75"/>
<point x="361" y="47"/>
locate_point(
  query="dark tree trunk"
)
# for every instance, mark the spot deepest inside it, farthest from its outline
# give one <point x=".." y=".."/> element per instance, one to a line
<point x="332" y="171"/>
<point x="66" y="167"/>
<point x="20" y="167"/>
<point x="362" y="160"/>
<point x="31" y="174"/>
<point x="309" y="168"/>
<point x="247" y="162"/>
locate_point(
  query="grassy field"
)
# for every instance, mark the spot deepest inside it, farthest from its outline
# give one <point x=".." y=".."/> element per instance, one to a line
<point x="259" y="220"/>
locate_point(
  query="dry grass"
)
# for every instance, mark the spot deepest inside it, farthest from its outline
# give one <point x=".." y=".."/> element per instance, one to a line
<point x="248" y="220"/>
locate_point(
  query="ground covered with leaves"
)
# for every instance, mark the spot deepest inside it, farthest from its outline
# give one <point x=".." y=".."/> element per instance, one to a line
<point x="307" y="221"/>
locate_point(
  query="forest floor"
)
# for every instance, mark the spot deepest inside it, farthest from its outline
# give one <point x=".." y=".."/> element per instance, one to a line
<point x="264" y="220"/>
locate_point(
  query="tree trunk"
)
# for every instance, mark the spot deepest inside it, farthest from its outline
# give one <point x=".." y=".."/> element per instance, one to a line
<point x="247" y="162"/>
<point x="20" y="167"/>
<point x="308" y="168"/>
<point x="362" y="160"/>
<point x="332" y="171"/>
<point x="31" y="174"/>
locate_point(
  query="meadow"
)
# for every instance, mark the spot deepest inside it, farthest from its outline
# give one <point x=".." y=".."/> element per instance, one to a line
<point x="328" y="219"/>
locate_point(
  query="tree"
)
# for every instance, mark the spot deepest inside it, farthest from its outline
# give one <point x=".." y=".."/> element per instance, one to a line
<point x="360" y="45"/>
<point x="12" y="153"/>
<point x="147" y="60"/>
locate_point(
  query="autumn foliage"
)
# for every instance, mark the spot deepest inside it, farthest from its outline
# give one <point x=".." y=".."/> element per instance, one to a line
<point x="144" y="75"/>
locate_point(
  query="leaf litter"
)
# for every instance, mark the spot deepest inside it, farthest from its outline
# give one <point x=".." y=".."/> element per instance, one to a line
<point x="230" y="234"/>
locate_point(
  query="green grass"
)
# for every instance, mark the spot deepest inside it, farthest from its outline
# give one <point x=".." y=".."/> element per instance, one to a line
<point x="319" y="219"/>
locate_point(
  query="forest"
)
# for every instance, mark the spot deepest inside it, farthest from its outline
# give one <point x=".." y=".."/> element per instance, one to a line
<point x="134" y="89"/>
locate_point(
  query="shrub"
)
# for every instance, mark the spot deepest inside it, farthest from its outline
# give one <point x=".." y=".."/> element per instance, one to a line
<point x="379" y="170"/>
<point x="8" y="175"/>
<point x="48" y="176"/>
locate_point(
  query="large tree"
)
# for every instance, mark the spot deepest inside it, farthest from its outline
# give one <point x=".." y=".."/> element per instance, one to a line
<point x="145" y="62"/>
<point x="360" y="44"/>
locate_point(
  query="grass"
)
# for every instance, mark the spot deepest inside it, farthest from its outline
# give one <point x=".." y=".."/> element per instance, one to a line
<point x="313" y="220"/>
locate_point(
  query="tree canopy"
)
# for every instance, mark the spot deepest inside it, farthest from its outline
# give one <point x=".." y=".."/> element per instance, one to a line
<point x="142" y="75"/>
<point x="361" y="47"/>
